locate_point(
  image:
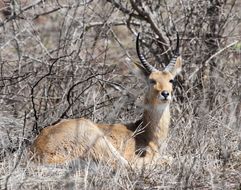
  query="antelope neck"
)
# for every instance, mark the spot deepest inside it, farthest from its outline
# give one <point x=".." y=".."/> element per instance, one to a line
<point x="156" y="119"/>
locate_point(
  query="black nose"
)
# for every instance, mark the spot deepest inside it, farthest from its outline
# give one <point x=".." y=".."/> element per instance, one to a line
<point x="165" y="94"/>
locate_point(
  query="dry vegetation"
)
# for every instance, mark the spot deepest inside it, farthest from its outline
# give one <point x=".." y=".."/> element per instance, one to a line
<point x="66" y="59"/>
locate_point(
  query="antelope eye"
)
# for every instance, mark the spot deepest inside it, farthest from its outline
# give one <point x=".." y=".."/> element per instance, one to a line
<point x="171" y="81"/>
<point x="152" y="81"/>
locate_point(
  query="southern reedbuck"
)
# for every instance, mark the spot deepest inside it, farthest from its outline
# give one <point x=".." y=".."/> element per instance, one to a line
<point x="81" y="138"/>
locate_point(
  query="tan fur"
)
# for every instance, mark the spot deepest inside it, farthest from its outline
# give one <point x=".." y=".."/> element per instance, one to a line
<point x="140" y="141"/>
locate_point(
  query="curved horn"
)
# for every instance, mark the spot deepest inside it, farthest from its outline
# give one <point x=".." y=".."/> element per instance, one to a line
<point x="177" y="52"/>
<point x="144" y="62"/>
<point x="173" y="60"/>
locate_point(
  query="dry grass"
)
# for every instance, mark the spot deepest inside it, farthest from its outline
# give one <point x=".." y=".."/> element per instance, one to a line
<point x="206" y="156"/>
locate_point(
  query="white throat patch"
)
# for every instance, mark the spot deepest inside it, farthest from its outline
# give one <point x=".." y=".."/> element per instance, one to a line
<point x="159" y="108"/>
<point x="162" y="107"/>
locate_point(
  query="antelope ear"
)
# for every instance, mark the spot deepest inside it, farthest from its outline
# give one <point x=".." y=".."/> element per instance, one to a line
<point x="175" y="66"/>
<point x="137" y="69"/>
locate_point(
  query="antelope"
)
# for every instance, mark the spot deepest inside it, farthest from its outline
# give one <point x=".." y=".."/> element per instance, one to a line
<point x="81" y="138"/>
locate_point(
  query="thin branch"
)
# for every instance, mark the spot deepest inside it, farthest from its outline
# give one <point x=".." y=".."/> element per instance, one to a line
<point x="35" y="127"/>
<point x="220" y="51"/>
<point x="123" y="9"/>
<point x="149" y="18"/>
